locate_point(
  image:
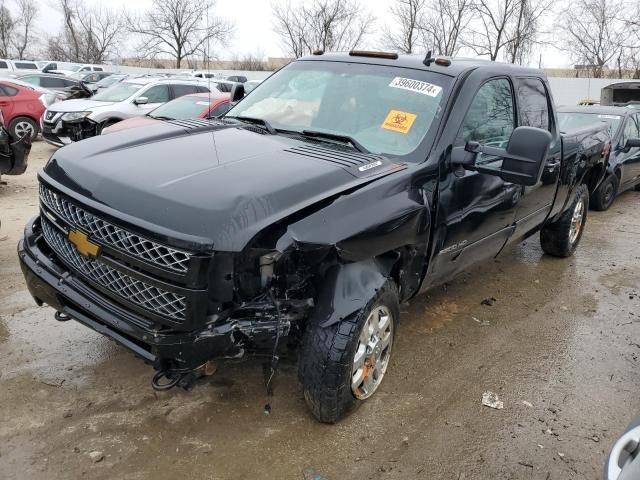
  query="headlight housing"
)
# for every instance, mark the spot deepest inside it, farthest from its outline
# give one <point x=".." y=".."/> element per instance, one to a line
<point x="75" y="116"/>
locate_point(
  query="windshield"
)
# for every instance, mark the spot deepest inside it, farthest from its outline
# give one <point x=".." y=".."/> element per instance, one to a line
<point x="387" y="110"/>
<point x="575" y="120"/>
<point x="117" y="93"/>
<point x="182" y="108"/>
<point x="110" y="80"/>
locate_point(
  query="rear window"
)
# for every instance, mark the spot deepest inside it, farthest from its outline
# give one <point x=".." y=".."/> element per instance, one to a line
<point x="182" y="108"/>
<point x="576" y="120"/>
<point x="26" y="66"/>
<point x="8" y="91"/>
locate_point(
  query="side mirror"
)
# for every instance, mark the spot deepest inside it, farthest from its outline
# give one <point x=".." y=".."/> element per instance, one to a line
<point x="237" y="93"/>
<point x="522" y="161"/>
<point x="632" y="143"/>
<point x="141" y="101"/>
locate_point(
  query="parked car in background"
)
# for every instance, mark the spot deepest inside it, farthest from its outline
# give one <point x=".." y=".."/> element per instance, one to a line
<point x="623" y="169"/>
<point x="16" y="67"/>
<point x="620" y="94"/>
<point x="89" y="77"/>
<point x="237" y="78"/>
<point x="22" y="107"/>
<point x="249" y="85"/>
<point x="224" y="86"/>
<point x="74" y="120"/>
<point x="203" y="74"/>
<point x="108" y="82"/>
<point x="66" y="87"/>
<point x="196" y="105"/>
<point x="64" y="68"/>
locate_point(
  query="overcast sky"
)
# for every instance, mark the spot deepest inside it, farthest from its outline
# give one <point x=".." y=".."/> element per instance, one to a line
<point x="254" y="24"/>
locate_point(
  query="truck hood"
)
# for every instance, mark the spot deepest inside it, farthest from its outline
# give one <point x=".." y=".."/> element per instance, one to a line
<point x="78" y="105"/>
<point x="210" y="185"/>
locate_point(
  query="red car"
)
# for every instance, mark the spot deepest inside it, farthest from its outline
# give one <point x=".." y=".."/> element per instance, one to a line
<point x="22" y="107"/>
<point x="195" y="105"/>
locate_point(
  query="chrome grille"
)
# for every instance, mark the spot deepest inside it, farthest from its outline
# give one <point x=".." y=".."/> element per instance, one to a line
<point x="115" y="237"/>
<point x="147" y="296"/>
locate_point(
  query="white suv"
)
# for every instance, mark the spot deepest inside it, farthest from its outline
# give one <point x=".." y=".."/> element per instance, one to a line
<point x="73" y="120"/>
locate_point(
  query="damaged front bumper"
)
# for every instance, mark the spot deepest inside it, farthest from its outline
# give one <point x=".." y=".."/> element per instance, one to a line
<point x="59" y="132"/>
<point x="169" y="350"/>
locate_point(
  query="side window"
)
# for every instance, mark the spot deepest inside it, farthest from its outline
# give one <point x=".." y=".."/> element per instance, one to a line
<point x="8" y="91"/>
<point x="50" y="82"/>
<point x="157" y="94"/>
<point x="97" y="69"/>
<point x="180" y="90"/>
<point x="32" y="80"/>
<point x="201" y="89"/>
<point x="3" y="65"/>
<point x="219" y="110"/>
<point x="533" y="103"/>
<point x="85" y="69"/>
<point x="490" y="118"/>
<point x="630" y="129"/>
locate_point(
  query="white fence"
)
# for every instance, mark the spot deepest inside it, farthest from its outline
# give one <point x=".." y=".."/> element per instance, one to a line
<point x="570" y="91"/>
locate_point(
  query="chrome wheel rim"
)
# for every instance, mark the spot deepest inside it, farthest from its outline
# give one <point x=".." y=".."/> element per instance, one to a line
<point x="373" y="352"/>
<point x="576" y="221"/>
<point x="23" y="128"/>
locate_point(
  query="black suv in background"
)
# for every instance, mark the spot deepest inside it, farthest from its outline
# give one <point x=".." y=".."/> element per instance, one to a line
<point x="623" y="169"/>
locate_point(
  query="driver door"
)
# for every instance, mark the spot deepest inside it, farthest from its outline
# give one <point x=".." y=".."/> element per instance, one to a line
<point x="479" y="209"/>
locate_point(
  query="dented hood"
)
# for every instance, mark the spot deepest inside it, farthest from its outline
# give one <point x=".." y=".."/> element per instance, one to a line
<point x="214" y="185"/>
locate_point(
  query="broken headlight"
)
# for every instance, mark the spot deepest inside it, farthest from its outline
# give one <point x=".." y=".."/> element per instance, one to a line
<point x="75" y="116"/>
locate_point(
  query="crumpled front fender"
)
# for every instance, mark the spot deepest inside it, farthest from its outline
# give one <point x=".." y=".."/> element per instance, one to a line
<point x="347" y="288"/>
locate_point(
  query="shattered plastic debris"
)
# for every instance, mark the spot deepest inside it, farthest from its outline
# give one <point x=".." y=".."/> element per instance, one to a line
<point x="527" y="404"/>
<point x="483" y="323"/>
<point x="490" y="399"/>
<point x="489" y="301"/>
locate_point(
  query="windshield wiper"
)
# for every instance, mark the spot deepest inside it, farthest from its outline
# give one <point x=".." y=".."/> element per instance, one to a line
<point x="259" y="121"/>
<point x="334" y="136"/>
<point x="160" y="117"/>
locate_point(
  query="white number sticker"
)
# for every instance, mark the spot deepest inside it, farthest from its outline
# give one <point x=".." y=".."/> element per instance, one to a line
<point x="613" y="117"/>
<point x="416" y="86"/>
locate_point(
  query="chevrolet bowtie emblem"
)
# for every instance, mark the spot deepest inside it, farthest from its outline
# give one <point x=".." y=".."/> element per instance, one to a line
<point x="81" y="241"/>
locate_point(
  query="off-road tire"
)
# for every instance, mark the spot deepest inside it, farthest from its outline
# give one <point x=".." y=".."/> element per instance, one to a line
<point x="16" y="127"/>
<point x="605" y="194"/>
<point x="555" y="237"/>
<point x="326" y="358"/>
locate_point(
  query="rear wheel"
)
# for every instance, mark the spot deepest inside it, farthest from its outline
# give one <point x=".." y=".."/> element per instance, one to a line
<point x="605" y="194"/>
<point x="21" y="126"/>
<point x="561" y="238"/>
<point x="344" y="364"/>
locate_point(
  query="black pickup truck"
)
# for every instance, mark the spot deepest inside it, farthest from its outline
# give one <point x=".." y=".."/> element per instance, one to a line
<point x="340" y="187"/>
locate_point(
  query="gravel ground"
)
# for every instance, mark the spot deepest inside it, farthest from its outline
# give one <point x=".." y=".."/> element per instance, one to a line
<point x="560" y="348"/>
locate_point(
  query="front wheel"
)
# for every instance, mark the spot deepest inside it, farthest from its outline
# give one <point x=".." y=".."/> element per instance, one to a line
<point x="344" y="364"/>
<point x="561" y="238"/>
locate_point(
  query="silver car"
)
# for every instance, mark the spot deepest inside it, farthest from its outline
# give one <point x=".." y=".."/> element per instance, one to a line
<point x="74" y="120"/>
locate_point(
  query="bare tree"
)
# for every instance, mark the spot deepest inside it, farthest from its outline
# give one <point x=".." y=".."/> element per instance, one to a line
<point x="89" y="35"/>
<point x="443" y="25"/>
<point x="328" y="25"/>
<point x="404" y="35"/>
<point x="507" y="29"/>
<point x="178" y="28"/>
<point x="523" y="32"/>
<point x="7" y="28"/>
<point x="592" y="33"/>
<point x="24" y="36"/>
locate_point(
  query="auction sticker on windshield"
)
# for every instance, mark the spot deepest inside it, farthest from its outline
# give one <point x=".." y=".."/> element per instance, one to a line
<point x="398" y="121"/>
<point x="416" y="86"/>
<point x="612" y="117"/>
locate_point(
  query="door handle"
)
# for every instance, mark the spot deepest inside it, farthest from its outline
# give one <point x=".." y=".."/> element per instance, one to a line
<point x="553" y="164"/>
<point x="4" y="104"/>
